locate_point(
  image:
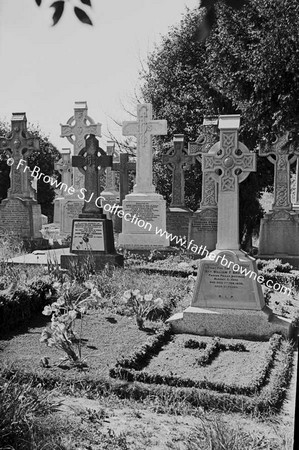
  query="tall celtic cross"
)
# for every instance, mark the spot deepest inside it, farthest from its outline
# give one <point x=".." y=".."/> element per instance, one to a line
<point x="77" y="128"/>
<point x="229" y="162"/>
<point x="19" y="144"/>
<point x="144" y="129"/>
<point x="177" y="160"/>
<point x="282" y="153"/>
<point x="124" y="166"/>
<point x="90" y="158"/>
<point x="203" y="144"/>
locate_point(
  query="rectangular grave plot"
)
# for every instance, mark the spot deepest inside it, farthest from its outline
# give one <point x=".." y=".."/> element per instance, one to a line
<point x="170" y="363"/>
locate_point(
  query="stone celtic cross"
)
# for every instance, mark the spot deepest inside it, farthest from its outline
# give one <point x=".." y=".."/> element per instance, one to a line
<point x="124" y="166"/>
<point x="19" y="144"/>
<point x="144" y="129"/>
<point x="77" y="128"/>
<point x="177" y="160"/>
<point x="64" y="167"/>
<point x="229" y="162"/>
<point x="203" y="144"/>
<point x="90" y="158"/>
<point x="282" y="153"/>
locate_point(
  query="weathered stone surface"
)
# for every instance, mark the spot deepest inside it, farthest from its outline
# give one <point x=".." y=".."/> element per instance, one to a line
<point x="77" y="128"/>
<point x="178" y="224"/>
<point x="227" y="298"/>
<point x="279" y="229"/>
<point x="144" y="200"/>
<point x="177" y="160"/>
<point x="203" y="228"/>
<point x="20" y="212"/>
<point x="92" y="233"/>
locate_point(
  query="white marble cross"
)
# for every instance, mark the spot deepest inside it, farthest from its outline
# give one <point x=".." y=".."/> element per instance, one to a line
<point x="77" y="128"/>
<point x="229" y="162"/>
<point x="144" y="128"/>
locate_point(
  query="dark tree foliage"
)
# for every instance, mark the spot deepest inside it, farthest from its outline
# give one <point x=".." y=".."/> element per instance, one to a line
<point x="58" y="7"/>
<point x="44" y="159"/>
<point x="248" y="65"/>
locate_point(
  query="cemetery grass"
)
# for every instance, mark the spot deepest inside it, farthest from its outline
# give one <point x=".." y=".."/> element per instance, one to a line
<point x="97" y="413"/>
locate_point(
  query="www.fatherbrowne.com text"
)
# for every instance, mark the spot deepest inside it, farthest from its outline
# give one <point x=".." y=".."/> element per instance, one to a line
<point x="182" y="241"/>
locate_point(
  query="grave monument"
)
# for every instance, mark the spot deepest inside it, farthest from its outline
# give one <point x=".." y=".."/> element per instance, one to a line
<point x="226" y="302"/>
<point x="279" y="229"/>
<point x="64" y="167"/>
<point x="178" y="215"/>
<point x="92" y="233"/>
<point x="76" y="129"/>
<point x="110" y="192"/>
<point x="19" y="212"/>
<point x="144" y="211"/>
<point x="123" y="167"/>
<point x="203" y="224"/>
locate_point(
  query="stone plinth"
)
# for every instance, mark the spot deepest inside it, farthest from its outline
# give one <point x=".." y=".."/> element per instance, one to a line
<point x="231" y="323"/>
<point x="177" y="223"/>
<point x="144" y="214"/>
<point x="279" y="236"/>
<point x="228" y="303"/>
<point x="203" y="228"/>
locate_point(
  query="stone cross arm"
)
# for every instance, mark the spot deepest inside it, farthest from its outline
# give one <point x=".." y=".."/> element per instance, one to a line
<point x="81" y="161"/>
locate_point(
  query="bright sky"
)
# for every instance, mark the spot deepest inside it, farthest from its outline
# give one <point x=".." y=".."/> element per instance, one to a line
<point x="45" y="69"/>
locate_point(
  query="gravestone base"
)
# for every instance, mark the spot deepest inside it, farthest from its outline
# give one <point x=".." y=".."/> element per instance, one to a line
<point x="203" y="228"/>
<point x="98" y="260"/>
<point x="228" y="301"/>
<point x="177" y="223"/>
<point x="279" y="236"/>
<point x="146" y="214"/>
<point x="231" y="323"/>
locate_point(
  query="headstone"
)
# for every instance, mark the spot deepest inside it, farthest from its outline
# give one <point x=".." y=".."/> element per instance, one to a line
<point x="178" y="215"/>
<point x="92" y="233"/>
<point x="144" y="211"/>
<point x="64" y="167"/>
<point x="77" y="128"/>
<point x="124" y="166"/>
<point x="203" y="224"/>
<point x="225" y="301"/>
<point x="279" y="229"/>
<point x="20" y="212"/>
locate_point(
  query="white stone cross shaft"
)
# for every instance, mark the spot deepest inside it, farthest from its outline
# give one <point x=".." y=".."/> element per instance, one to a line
<point x="144" y="128"/>
<point x="229" y="162"/>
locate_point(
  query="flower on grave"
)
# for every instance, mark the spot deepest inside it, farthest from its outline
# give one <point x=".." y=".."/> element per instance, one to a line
<point x="47" y="311"/>
<point x="159" y="303"/>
